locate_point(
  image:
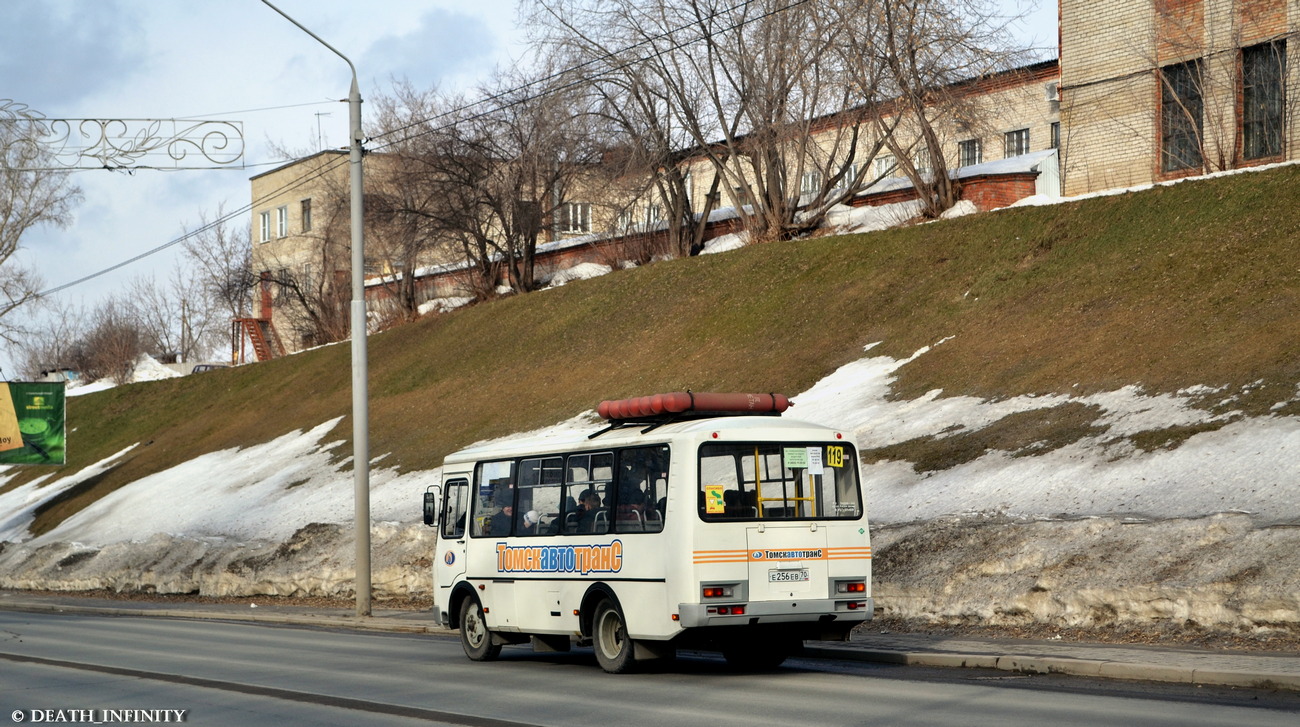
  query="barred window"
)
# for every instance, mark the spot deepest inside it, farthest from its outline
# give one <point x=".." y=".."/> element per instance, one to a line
<point x="1263" y="71"/>
<point x="969" y="153"/>
<point x="575" y="217"/>
<point x="1181" y="116"/>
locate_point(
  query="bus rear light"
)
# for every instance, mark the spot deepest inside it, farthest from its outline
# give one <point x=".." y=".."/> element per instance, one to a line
<point x="677" y="617"/>
<point x="854" y="605"/>
<point x="717" y="591"/>
<point x="850" y="587"/>
<point x="729" y="610"/>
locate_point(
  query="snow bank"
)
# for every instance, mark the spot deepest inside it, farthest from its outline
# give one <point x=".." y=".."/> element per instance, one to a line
<point x="1219" y="573"/>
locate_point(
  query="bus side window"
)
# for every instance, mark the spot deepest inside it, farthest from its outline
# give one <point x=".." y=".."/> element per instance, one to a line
<point x="453" y="509"/>
<point x="538" y="508"/>
<point x="585" y="472"/>
<point x="493" y="492"/>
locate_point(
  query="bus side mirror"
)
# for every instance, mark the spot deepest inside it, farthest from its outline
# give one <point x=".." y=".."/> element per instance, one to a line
<point x="430" y="507"/>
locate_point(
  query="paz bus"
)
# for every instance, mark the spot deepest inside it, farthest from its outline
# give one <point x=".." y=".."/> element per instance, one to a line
<point x="701" y="521"/>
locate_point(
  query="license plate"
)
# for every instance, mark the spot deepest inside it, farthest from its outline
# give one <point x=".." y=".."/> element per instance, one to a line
<point x="787" y="576"/>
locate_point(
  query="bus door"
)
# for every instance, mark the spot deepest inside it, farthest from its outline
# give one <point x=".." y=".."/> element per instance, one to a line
<point x="450" y="561"/>
<point x="787" y="559"/>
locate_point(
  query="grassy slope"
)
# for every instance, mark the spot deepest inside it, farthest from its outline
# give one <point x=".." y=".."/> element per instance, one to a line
<point x="1198" y="283"/>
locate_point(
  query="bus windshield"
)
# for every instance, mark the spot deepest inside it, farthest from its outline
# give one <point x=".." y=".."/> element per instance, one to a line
<point x="778" y="481"/>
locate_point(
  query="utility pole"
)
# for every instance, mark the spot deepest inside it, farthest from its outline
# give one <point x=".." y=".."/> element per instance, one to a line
<point x="360" y="396"/>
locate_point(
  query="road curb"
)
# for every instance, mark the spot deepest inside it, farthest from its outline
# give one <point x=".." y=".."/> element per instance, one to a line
<point x="1023" y="664"/>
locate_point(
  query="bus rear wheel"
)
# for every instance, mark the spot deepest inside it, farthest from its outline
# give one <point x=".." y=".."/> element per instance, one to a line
<point x="609" y="636"/>
<point x="474" y="635"/>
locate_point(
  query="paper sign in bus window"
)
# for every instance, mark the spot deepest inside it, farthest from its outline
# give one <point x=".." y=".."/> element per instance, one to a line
<point x="714" y="504"/>
<point x="796" y="458"/>
<point x="814" y="460"/>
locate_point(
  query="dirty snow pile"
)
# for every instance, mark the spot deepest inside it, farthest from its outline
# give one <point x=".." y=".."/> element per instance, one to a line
<point x="1092" y="533"/>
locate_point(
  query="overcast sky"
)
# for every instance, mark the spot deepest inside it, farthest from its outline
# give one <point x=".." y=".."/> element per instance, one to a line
<point x="234" y="60"/>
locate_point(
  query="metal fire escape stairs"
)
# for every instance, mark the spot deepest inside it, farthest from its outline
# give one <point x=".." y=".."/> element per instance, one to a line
<point x="261" y="334"/>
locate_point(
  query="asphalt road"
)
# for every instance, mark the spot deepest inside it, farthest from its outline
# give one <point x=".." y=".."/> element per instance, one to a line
<point x="236" y="673"/>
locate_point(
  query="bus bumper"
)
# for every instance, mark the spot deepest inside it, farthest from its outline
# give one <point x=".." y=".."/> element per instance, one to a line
<point x="698" y="615"/>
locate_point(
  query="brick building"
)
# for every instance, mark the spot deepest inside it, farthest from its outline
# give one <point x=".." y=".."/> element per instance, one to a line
<point x="1161" y="89"/>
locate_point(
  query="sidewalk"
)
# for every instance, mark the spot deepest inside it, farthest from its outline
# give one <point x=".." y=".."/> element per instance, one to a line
<point x="1164" y="664"/>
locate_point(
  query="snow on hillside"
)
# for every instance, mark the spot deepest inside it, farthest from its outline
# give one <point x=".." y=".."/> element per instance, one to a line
<point x="1071" y="536"/>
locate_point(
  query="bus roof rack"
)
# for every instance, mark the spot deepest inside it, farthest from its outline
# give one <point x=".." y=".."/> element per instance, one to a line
<point x="660" y="409"/>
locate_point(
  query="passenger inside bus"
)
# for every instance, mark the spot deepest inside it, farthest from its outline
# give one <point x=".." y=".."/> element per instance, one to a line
<point x="588" y="510"/>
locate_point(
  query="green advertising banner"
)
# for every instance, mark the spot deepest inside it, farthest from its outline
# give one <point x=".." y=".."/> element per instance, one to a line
<point x="31" y="422"/>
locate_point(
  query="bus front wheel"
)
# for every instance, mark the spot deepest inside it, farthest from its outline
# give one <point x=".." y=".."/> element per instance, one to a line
<point x="474" y="634"/>
<point x="609" y="636"/>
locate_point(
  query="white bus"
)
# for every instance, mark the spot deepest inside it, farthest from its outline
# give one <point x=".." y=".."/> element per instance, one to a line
<point x="686" y="523"/>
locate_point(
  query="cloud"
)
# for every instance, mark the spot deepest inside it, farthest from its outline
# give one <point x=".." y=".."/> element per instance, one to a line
<point x="54" y="54"/>
<point x="443" y="46"/>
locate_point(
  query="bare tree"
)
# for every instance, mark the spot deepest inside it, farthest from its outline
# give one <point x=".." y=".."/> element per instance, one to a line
<point x="112" y="344"/>
<point x="176" y="320"/>
<point x="31" y="194"/>
<point x="759" y="90"/>
<point x="409" y="204"/>
<point x="487" y="177"/>
<point x="52" y="339"/>
<point x="222" y="256"/>
<point x="931" y="51"/>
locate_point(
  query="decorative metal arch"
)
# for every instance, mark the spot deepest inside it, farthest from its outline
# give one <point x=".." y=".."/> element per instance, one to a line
<point x="128" y="144"/>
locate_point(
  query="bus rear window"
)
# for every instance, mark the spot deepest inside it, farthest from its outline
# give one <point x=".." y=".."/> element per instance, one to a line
<point x="779" y="481"/>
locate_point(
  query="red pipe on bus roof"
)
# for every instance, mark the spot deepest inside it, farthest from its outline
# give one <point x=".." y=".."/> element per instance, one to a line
<point x="679" y="402"/>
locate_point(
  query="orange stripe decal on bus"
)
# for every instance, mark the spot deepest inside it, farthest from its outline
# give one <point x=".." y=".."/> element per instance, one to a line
<point x="778" y="554"/>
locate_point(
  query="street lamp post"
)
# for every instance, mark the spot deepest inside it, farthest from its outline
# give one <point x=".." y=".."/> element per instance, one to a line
<point x="360" y="399"/>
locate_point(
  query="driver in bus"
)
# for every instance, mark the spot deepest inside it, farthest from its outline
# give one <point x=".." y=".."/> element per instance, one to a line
<point x="504" y="495"/>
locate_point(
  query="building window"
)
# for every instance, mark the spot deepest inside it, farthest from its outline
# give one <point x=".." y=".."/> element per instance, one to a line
<point x="850" y="174"/>
<point x="1181" y="106"/>
<point x="1263" y="73"/>
<point x="306" y="215"/>
<point x="969" y="153"/>
<point x="740" y="195"/>
<point x="1017" y="143"/>
<point x="654" y="214"/>
<point x="282" y="221"/>
<point x="885" y="166"/>
<point x="264" y="225"/>
<point x="810" y="184"/>
<point x="1056" y="134"/>
<point x="923" y="165"/>
<point x="575" y="217"/>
